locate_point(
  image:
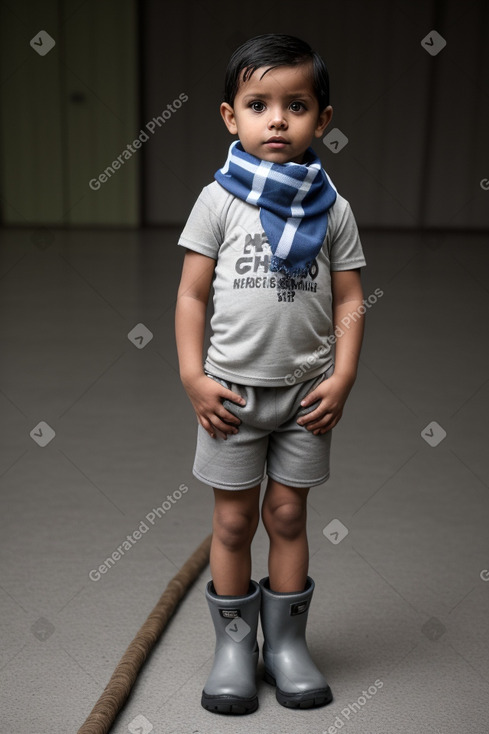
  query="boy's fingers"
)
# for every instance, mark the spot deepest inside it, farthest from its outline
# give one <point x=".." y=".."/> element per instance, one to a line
<point x="309" y="399"/>
<point x="312" y="397"/>
<point x="234" y="397"/>
<point x="321" y="423"/>
<point x="314" y="418"/>
<point x="229" y="420"/>
<point x="224" y="425"/>
<point x="225" y="415"/>
<point x="325" y="423"/>
<point x="224" y="392"/>
<point x="208" y="427"/>
<point x="224" y="421"/>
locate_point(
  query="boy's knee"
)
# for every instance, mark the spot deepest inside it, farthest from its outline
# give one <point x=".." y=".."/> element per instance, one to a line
<point x="287" y="519"/>
<point x="234" y="529"/>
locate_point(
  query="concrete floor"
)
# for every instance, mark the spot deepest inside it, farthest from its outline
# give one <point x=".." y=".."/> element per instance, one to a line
<point x="401" y="608"/>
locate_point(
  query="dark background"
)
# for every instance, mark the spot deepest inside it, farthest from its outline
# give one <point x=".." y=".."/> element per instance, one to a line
<point x="416" y="124"/>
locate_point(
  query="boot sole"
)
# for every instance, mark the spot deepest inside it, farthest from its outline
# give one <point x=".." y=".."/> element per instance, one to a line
<point x="306" y="700"/>
<point x="229" y="704"/>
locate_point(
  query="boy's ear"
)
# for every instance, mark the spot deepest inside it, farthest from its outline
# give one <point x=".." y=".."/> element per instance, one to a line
<point x="227" y="114"/>
<point x="323" y="121"/>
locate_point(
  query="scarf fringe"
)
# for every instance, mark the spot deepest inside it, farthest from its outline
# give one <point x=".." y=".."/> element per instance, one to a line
<point x="278" y="265"/>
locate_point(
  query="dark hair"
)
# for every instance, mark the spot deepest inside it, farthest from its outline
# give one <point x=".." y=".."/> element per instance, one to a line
<point x="273" y="50"/>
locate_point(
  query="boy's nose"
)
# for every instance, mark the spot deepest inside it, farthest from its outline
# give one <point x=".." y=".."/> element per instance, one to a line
<point x="277" y="122"/>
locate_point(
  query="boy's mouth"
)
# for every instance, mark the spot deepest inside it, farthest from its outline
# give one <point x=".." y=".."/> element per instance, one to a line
<point x="276" y="142"/>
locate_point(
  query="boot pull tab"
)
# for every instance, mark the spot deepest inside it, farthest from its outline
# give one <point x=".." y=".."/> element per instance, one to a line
<point x="230" y="613"/>
<point x="299" y="607"/>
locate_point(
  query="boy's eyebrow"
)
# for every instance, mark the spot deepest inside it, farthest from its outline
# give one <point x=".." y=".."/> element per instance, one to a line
<point x="300" y="93"/>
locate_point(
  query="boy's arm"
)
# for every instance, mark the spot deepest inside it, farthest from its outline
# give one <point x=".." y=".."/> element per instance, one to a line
<point x="347" y="298"/>
<point x="205" y="394"/>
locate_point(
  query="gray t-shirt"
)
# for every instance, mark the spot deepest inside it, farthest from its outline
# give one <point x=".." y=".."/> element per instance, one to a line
<point x="265" y="325"/>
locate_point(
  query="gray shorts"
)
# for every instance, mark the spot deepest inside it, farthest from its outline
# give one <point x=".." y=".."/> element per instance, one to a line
<point x="269" y="440"/>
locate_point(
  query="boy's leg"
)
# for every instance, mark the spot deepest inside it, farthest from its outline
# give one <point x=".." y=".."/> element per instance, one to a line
<point x="285" y="599"/>
<point x="284" y="514"/>
<point x="236" y="517"/>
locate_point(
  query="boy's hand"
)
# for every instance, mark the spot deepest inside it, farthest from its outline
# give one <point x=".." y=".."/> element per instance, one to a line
<point x="332" y="394"/>
<point x="206" y="395"/>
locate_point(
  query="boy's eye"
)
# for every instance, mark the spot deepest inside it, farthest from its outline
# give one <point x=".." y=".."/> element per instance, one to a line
<point x="297" y="106"/>
<point x="257" y="106"/>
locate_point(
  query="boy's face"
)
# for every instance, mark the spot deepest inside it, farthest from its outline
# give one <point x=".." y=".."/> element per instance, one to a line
<point x="276" y="116"/>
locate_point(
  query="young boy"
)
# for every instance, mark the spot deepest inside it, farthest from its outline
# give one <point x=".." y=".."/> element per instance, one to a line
<point x="281" y="248"/>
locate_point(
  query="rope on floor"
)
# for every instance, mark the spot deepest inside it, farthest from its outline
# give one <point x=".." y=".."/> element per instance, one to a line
<point x="124" y="676"/>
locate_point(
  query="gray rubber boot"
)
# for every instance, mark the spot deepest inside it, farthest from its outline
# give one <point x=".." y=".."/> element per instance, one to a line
<point x="231" y="685"/>
<point x="288" y="664"/>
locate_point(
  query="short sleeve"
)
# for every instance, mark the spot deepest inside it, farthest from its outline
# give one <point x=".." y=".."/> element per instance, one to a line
<point x="203" y="229"/>
<point x="346" y="251"/>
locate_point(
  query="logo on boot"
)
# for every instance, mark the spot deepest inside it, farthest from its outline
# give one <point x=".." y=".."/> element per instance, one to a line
<point x="298" y="608"/>
<point x="238" y="629"/>
<point x="230" y="613"/>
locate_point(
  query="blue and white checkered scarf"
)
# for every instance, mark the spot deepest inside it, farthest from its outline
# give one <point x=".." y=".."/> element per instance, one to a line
<point x="294" y="199"/>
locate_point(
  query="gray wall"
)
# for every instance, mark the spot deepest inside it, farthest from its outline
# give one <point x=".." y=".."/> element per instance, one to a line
<point x="67" y="114"/>
<point x="417" y="124"/>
